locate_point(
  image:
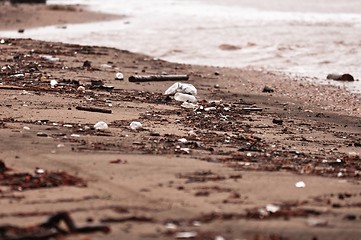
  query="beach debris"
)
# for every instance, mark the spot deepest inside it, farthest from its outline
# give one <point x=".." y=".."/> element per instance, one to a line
<point x="135" y="125"/>
<point x="119" y="76"/>
<point x="2" y="41"/>
<point x="41" y="134"/>
<point x="272" y="208"/>
<point x="87" y="64"/>
<point x="57" y="225"/>
<point x="185" y="235"/>
<point x="182" y="140"/>
<point x="252" y="109"/>
<point x="94" y="109"/>
<point x="153" y="78"/>
<point x="189" y="105"/>
<point x="183" y="97"/>
<point x="118" y="161"/>
<point x="53" y="83"/>
<point x="229" y="47"/>
<point x="277" y="121"/>
<point x="179" y="87"/>
<point x="267" y="89"/>
<point x="75" y="135"/>
<point x="316" y="222"/>
<point x="300" y="184"/>
<point x="341" y="77"/>
<point x="105" y="65"/>
<point x="171" y="226"/>
<point x="100" y="125"/>
<point x="21" y="30"/>
<point x="50" y="58"/>
<point x="41" y="179"/>
<point x="155" y="134"/>
<point x="81" y="89"/>
<point x="26" y="128"/>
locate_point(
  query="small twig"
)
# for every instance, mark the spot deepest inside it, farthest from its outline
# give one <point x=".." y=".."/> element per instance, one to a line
<point x="94" y="109"/>
<point x="151" y="78"/>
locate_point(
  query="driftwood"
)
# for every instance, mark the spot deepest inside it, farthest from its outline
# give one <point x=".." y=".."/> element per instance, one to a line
<point x="94" y="109"/>
<point x="156" y="78"/>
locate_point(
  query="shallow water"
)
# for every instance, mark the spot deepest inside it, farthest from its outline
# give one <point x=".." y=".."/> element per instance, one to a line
<point x="305" y="38"/>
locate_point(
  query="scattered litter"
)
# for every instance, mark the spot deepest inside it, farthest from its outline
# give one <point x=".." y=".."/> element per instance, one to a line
<point x="53" y="83"/>
<point x="267" y="89"/>
<point x="210" y="109"/>
<point x="185" y="235"/>
<point x="151" y="78"/>
<point x="20" y="75"/>
<point x="50" y="58"/>
<point x="272" y="208"/>
<point x="105" y="65"/>
<point x="189" y="105"/>
<point x="182" y="97"/>
<point x="26" y="128"/>
<point x="60" y="145"/>
<point x="182" y="88"/>
<point x="316" y="222"/>
<point x="182" y="140"/>
<point x="101" y="125"/>
<point x="252" y="109"/>
<point x="119" y="76"/>
<point x="2" y="41"/>
<point x="135" y="125"/>
<point x="192" y="133"/>
<point x="81" y="89"/>
<point x="185" y="150"/>
<point x="41" y="134"/>
<point x="75" y="135"/>
<point x="171" y="226"/>
<point x="39" y="171"/>
<point x="68" y="125"/>
<point x="300" y="184"/>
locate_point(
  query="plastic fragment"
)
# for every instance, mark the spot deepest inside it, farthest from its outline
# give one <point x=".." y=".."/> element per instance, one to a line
<point x="135" y="125"/>
<point x="100" y="125"/>
<point x="182" y="97"/>
<point x="186" y="235"/>
<point x="182" y="88"/>
<point x="300" y="184"/>
<point x="53" y="83"/>
<point x="119" y="76"/>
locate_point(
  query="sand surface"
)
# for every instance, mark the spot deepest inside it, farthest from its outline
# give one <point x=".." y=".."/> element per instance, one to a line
<point x="232" y="178"/>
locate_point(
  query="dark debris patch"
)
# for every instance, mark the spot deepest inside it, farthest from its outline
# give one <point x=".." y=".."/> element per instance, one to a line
<point x="40" y="179"/>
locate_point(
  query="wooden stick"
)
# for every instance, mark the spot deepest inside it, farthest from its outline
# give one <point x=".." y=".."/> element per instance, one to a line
<point x="154" y="78"/>
<point x="93" y="109"/>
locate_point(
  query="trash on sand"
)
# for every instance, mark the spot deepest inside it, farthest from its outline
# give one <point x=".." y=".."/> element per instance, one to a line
<point x="185" y="235"/>
<point x="94" y="109"/>
<point x="189" y="105"/>
<point x="182" y="97"/>
<point x="119" y="76"/>
<point x="81" y="89"/>
<point x="182" y="140"/>
<point x="300" y="184"/>
<point x="185" y="150"/>
<point x="150" y="78"/>
<point x="171" y="226"/>
<point x="101" y="125"/>
<point x="316" y="222"/>
<point x="53" y="83"/>
<point x="341" y="77"/>
<point x="182" y="88"/>
<point x="135" y="125"/>
<point x="26" y="128"/>
<point x="50" y="58"/>
<point x="272" y="208"/>
<point x="75" y="135"/>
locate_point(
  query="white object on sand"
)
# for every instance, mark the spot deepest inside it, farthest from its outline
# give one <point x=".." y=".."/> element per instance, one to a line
<point x="182" y="88"/>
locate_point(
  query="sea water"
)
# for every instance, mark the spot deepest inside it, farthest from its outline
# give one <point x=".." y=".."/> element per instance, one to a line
<point x="303" y="38"/>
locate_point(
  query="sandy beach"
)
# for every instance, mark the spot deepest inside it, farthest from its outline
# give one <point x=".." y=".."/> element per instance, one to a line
<point x="244" y="162"/>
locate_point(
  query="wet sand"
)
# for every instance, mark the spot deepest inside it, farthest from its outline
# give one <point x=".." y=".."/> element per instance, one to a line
<point x="234" y="176"/>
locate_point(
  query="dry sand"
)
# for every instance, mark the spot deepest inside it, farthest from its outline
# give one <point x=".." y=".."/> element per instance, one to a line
<point x="145" y="184"/>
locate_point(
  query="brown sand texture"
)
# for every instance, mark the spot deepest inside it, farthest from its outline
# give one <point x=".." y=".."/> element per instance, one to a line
<point x="242" y="164"/>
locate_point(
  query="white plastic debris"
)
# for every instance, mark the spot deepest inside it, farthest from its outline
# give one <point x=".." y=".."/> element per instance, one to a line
<point x="182" y="88"/>
<point x="185" y="150"/>
<point x="39" y="171"/>
<point x="171" y="226"/>
<point x="189" y="105"/>
<point x="20" y="75"/>
<point x="272" y="208"/>
<point x="182" y="140"/>
<point x="210" y="109"/>
<point x="60" y="145"/>
<point x="68" y="125"/>
<point x="183" y="97"/>
<point x="300" y="184"/>
<point x="135" y="125"/>
<point x="50" y="58"/>
<point x="53" y="83"/>
<point x="101" y="125"/>
<point x="2" y="41"/>
<point x="81" y="89"/>
<point x="119" y="76"/>
<point x="185" y="235"/>
<point x="316" y="222"/>
<point x="75" y="135"/>
<point x="192" y="133"/>
<point x="105" y="65"/>
<point x="26" y="128"/>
